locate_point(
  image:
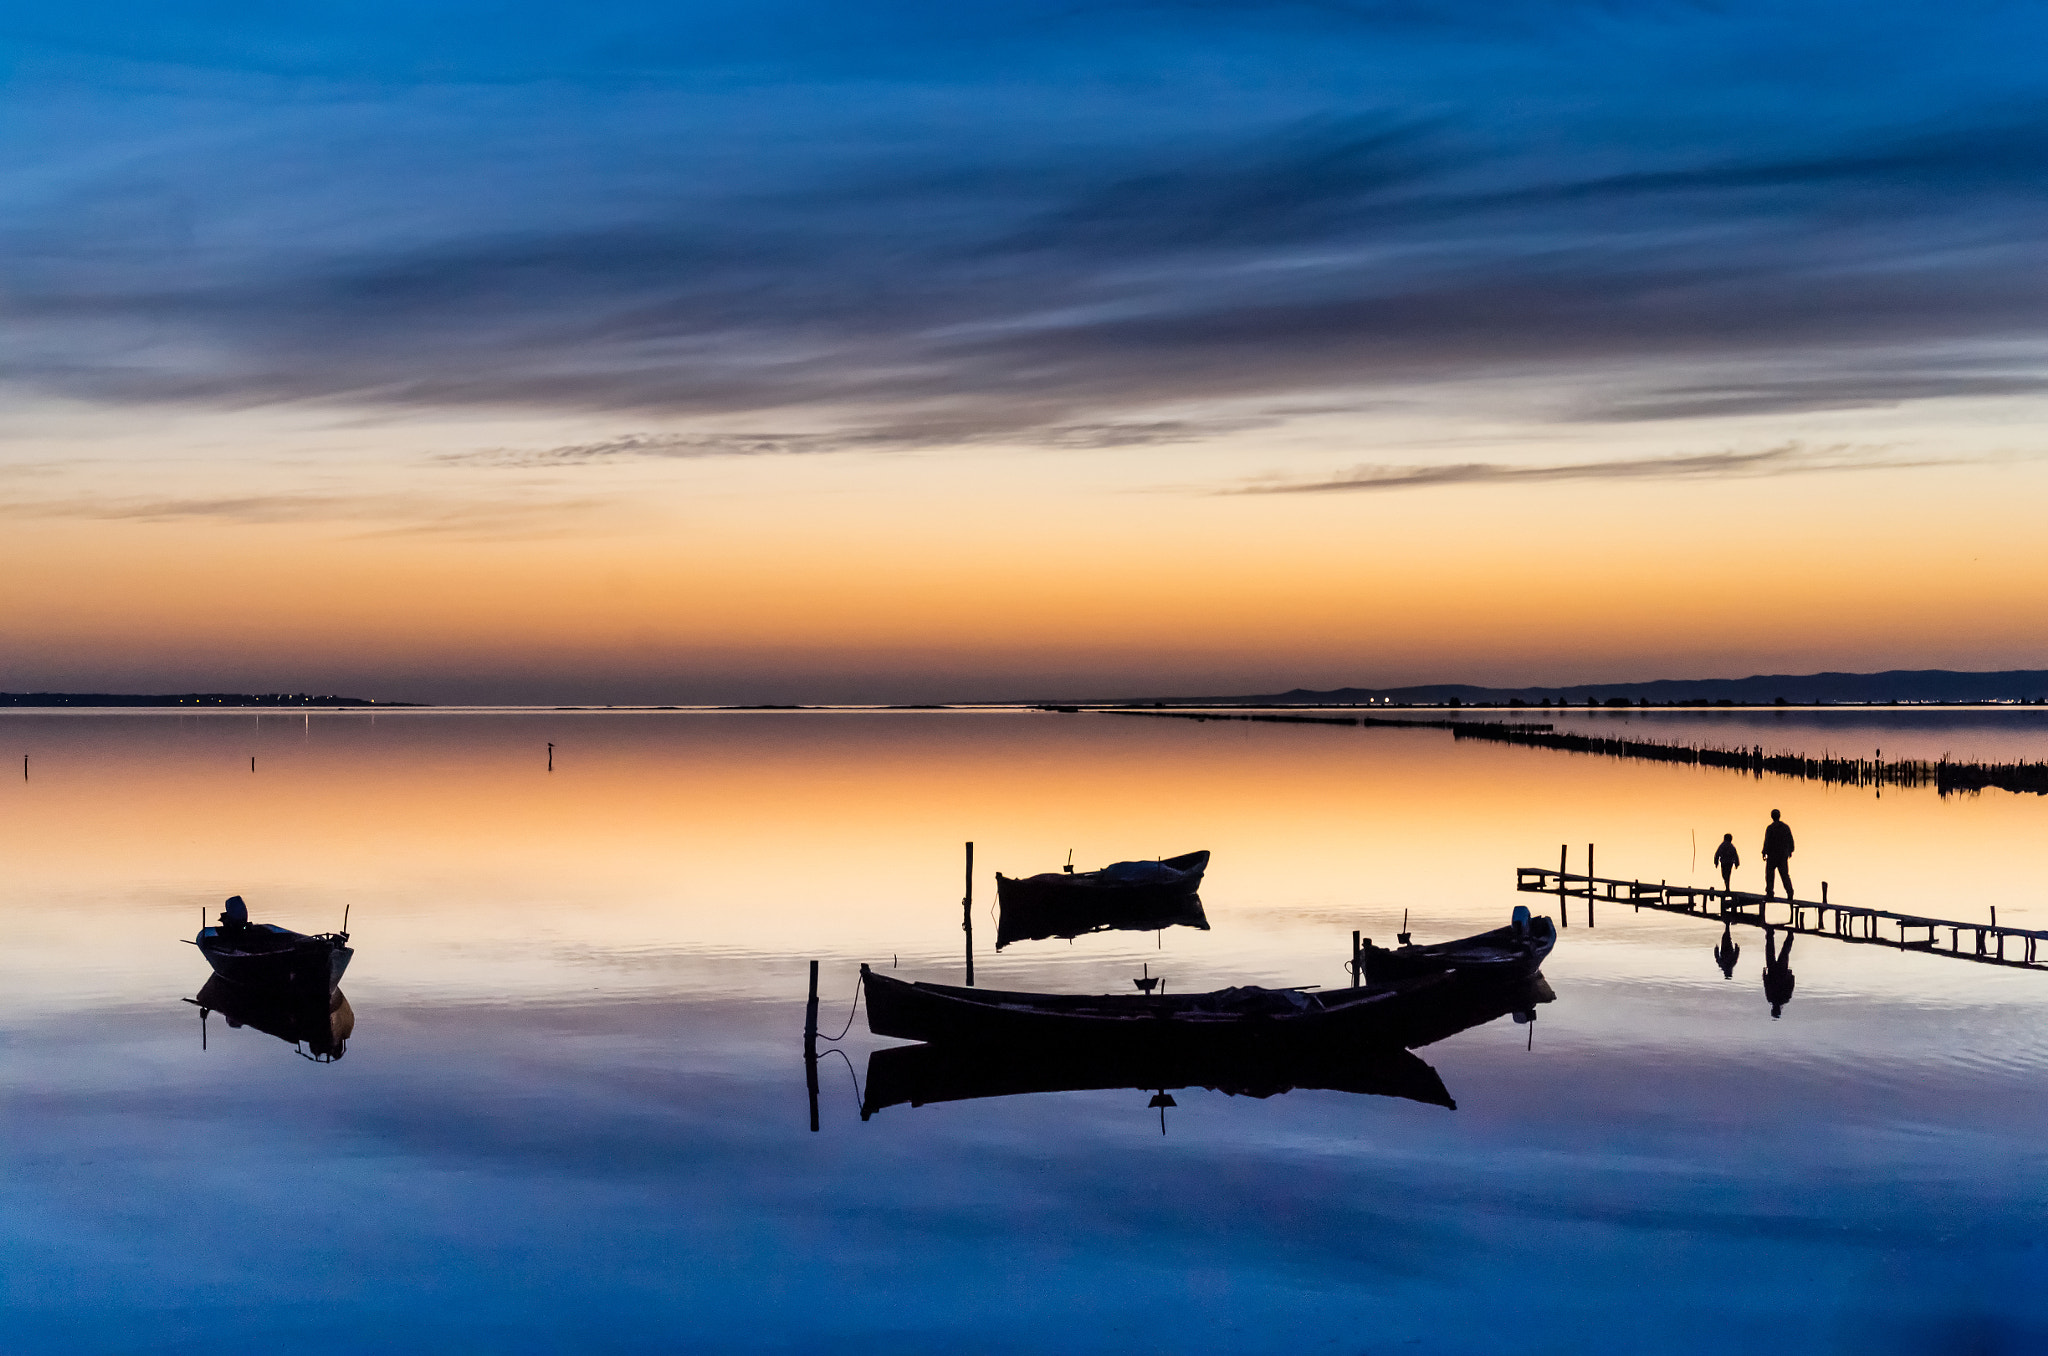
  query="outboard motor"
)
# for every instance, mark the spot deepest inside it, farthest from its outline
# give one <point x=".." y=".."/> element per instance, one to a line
<point x="1521" y="922"/>
<point x="235" y="913"/>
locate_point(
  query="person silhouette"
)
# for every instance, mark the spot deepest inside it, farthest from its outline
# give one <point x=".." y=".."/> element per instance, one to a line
<point x="1777" y="852"/>
<point x="1778" y="974"/>
<point x="1727" y="858"/>
<point x="1727" y="952"/>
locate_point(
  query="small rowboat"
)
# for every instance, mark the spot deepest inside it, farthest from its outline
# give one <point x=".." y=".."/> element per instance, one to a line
<point x="266" y="956"/>
<point x="1517" y="949"/>
<point x="1377" y="1011"/>
<point x="1156" y="885"/>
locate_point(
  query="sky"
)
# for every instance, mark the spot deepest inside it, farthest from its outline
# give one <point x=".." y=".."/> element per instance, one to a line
<point x="794" y="351"/>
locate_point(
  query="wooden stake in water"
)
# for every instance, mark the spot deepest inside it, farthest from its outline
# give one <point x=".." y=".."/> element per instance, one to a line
<point x="1589" y="885"/>
<point x="967" y="915"/>
<point x="1564" y="910"/>
<point x="811" y="1046"/>
<point x="551" y="756"/>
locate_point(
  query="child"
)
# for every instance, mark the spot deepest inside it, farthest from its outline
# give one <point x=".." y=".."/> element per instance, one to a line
<point x="1725" y="857"/>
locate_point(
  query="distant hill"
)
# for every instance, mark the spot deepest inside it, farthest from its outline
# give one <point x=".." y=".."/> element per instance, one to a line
<point x="292" y="699"/>
<point x="1894" y="685"/>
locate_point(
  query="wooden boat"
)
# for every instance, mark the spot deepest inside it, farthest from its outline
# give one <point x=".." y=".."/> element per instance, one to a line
<point x="266" y="956"/>
<point x="322" y="1023"/>
<point x="1376" y="1011"/>
<point x="1076" y="914"/>
<point x="1517" y="949"/>
<point x="1154" y="885"/>
<point x="1274" y="1064"/>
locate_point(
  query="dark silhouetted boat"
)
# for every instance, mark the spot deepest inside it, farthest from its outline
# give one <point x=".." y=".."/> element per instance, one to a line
<point x="321" y="1025"/>
<point x="1513" y="950"/>
<point x="266" y="956"/>
<point x="1377" y="1011"/>
<point x="1119" y="889"/>
<point x="1273" y="1063"/>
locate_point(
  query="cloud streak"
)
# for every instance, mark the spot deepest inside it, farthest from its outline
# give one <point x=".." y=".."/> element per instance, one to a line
<point x="391" y="515"/>
<point x="1788" y="459"/>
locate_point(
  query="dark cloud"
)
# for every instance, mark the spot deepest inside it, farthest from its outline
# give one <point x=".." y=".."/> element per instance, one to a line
<point x="1789" y="459"/>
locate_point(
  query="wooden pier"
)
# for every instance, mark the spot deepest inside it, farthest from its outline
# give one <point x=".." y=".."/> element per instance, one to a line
<point x="1990" y="944"/>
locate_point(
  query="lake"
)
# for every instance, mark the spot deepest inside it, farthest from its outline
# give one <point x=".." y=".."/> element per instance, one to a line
<point x="572" y="1113"/>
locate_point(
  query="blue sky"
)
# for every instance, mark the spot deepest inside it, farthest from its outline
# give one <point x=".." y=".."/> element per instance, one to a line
<point x="934" y="224"/>
<point x="742" y="344"/>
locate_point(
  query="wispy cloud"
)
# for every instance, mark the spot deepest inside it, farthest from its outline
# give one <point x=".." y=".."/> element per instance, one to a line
<point x="393" y="515"/>
<point x="938" y="433"/>
<point x="1787" y="459"/>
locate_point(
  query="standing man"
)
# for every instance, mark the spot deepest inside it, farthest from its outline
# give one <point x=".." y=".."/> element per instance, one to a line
<point x="1777" y="851"/>
<point x="1727" y="858"/>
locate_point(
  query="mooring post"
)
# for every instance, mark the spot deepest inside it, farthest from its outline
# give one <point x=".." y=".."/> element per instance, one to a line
<point x="1564" y="910"/>
<point x="811" y="1046"/>
<point x="967" y="915"/>
<point x="1589" y="885"/>
<point x="1354" y="958"/>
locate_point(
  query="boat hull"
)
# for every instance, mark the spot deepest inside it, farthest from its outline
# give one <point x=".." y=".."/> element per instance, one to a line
<point x="282" y="961"/>
<point x="1098" y="892"/>
<point x="1509" y="952"/>
<point x="944" y="1015"/>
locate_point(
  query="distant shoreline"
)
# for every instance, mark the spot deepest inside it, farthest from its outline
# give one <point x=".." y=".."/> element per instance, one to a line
<point x="292" y="700"/>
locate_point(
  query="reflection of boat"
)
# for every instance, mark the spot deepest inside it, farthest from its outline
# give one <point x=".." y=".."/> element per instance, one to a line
<point x="320" y="1022"/>
<point x="942" y="1013"/>
<point x="1276" y="1062"/>
<point x="1512" y="950"/>
<point x="266" y="956"/>
<point x="1027" y="919"/>
<point x="1120" y="886"/>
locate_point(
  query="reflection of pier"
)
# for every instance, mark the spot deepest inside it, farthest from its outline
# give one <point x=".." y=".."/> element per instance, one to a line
<point x="1990" y="944"/>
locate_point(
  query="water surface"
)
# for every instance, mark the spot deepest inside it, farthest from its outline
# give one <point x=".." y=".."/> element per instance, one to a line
<point x="572" y="1115"/>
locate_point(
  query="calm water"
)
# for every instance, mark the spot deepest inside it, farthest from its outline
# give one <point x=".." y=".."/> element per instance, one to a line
<point x="572" y="1115"/>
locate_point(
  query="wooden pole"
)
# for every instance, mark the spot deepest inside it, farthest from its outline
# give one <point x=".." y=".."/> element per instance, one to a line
<point x="811" y="1046"/>
<point x="1589" y="885"/>
<point x="1564" y="909"/>
<point x="967" y="915"/>
<point x="1354" y="958"/>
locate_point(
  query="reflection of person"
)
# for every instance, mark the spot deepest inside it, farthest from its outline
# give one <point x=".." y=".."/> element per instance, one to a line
<point x="1727" y="858"/>
<point x="1778" y="974"/>
<point x="1777" y="851"/>
<point x="1727" y="952"/>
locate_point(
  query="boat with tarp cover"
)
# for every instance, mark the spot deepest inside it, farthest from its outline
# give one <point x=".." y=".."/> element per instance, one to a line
<point x="913" y="1010"/>
<point x="1128" y="886"/>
